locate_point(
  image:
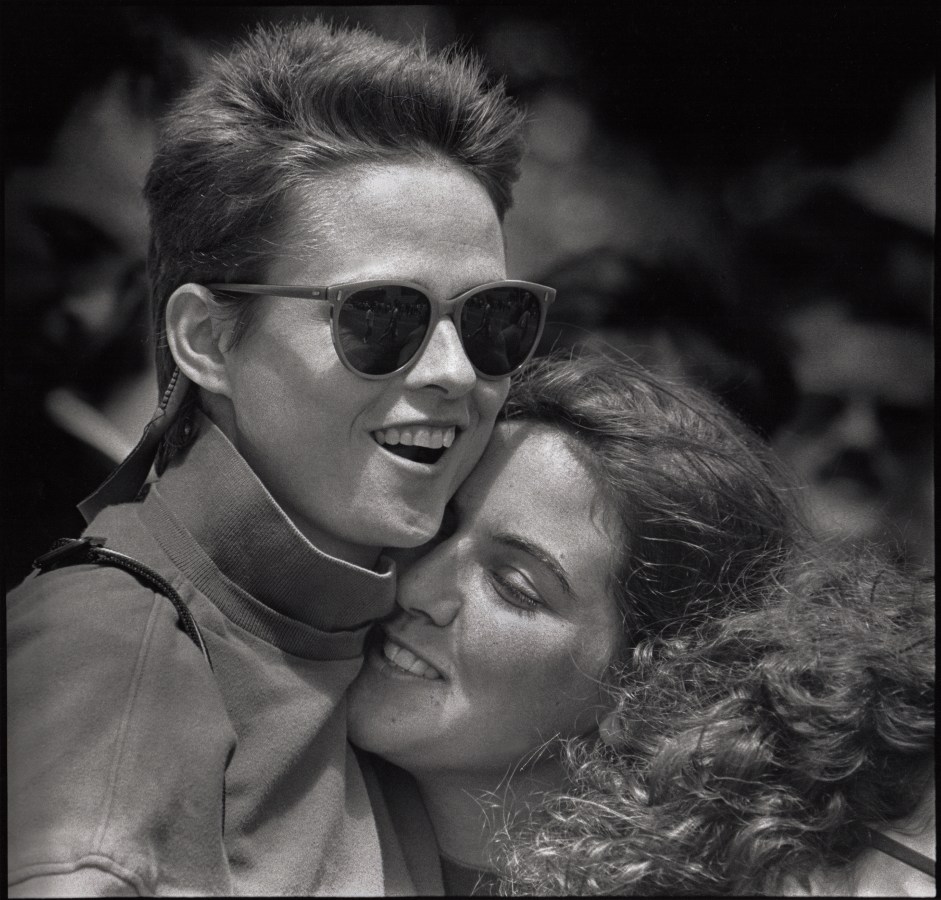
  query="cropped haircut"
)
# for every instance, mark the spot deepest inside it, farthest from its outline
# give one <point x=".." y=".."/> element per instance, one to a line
<point x="765" y="713"/>
<point x="290" y="104"/>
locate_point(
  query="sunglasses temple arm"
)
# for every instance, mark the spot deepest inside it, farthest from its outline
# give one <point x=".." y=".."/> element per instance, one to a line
<point x="273" y="291"/>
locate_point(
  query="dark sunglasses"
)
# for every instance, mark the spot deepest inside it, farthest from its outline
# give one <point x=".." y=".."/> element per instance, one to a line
<point x="381" y="328"/>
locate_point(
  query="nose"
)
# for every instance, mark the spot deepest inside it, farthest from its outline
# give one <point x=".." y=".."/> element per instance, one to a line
<point x="94" y="308"/>
<point x="430" y="589"/>
<point x="443" y="363"/>
<point x="85" y="317"/>
<point x="859" y="426"/>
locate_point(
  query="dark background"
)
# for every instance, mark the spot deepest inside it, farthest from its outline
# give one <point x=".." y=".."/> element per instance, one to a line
<point x="683" y="102"/>
<point x="664" y="137"/>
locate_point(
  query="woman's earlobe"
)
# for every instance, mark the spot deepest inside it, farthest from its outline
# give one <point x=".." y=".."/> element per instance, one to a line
<point x="195" y="338"/>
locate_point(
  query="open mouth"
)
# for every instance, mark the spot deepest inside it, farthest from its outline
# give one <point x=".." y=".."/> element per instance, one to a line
<point x="418" y="444"/>
<point x="853" y="469"/>
<point x="404" y="660"/>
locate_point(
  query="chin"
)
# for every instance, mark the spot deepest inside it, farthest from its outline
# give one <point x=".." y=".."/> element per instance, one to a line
<point x="407" y="535"/>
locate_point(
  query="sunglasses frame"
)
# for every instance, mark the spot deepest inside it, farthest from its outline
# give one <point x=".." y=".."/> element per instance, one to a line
<point x="334" y="296"/>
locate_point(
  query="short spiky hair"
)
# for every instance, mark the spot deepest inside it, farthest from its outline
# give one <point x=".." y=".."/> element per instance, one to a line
<point x="293" y="102"/>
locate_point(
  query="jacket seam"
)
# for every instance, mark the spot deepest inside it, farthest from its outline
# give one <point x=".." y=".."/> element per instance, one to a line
<point x="100" y="861"/>
<point x="124" y="729"/>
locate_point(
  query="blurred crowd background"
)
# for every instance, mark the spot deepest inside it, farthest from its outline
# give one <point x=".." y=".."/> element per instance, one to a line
<point x="738" y="192"/>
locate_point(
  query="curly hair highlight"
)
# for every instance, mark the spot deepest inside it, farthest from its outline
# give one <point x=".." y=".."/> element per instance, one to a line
<point x="755" y="750"/>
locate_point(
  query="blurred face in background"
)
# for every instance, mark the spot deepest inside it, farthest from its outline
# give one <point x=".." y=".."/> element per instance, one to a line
<point x="861" y="441"/>
<point x="75" y="236"/>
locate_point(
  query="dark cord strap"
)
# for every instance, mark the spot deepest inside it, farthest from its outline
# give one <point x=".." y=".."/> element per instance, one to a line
<point x="899" y="851"/>
<point x="72" y="551"/>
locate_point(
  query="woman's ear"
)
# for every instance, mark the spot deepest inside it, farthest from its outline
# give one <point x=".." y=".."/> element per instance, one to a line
<point x="195" y="338"/>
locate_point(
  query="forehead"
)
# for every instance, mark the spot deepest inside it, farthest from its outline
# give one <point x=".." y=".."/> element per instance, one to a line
<point x="423" y="221"/>
<point x="840" y="355"/>
<point x="98" y="164"/>
<point x="532" y="483"/>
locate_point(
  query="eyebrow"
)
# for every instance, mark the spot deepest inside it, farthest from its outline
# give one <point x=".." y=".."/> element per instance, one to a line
<point x="84" y="228"/>
<point x="538" y="553"/>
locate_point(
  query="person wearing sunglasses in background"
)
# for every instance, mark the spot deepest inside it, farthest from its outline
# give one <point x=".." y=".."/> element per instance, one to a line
<point x="326" y="213"/>
<point x="624" y="667"/>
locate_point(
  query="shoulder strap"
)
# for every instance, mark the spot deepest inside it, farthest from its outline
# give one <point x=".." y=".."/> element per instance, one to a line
<point x="72" y="551"/>
<point x="899" y="851"/>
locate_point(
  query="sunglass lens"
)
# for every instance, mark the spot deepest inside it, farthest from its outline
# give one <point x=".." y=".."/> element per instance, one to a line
<point x="499" y="328"/>
<point x="382" y="328"/>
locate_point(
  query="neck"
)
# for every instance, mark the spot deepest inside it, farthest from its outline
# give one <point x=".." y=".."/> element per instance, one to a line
<point x="468" y="810"/>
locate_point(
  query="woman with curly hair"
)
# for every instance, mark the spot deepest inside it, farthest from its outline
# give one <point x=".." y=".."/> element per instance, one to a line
<point x="623" y="666"/>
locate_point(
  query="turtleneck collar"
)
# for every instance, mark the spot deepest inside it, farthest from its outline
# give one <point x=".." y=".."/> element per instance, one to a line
<point x="227" y="532"/>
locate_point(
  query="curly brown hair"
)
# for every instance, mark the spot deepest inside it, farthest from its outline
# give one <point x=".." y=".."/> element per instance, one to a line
<point x="772" y="699"/>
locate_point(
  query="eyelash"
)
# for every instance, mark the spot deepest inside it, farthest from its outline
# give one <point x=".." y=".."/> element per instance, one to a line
<point x="523" y="604"/>
<point x="526" y="605"/>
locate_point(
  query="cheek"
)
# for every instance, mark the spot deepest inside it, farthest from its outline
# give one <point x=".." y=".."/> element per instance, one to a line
<point x="492" y="395"/>
<point x="531" y="681"/>
<point x="290" y="378"/>
<point x="571" y="696"/>
<point x="489" y="397"/>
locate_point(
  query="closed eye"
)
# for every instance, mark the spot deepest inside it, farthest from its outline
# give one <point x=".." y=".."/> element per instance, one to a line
<point x="524" y="601"/>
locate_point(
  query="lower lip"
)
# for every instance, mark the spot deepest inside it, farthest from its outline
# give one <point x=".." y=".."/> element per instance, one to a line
<point x="378" y="659"/>
<point x="427" y="468"/>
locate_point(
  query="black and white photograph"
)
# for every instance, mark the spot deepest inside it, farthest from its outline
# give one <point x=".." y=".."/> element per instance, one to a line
<point x="469" y="449"/>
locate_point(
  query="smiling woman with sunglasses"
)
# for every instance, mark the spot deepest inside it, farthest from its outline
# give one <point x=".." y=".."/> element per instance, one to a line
<point x="177" y="677"/>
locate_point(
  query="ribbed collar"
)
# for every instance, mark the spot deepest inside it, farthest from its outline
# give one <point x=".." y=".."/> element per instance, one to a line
<point x="231" y="539"/>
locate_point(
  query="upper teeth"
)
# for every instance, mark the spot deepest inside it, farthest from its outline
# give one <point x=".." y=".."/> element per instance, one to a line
<point x="408" y="661"/>
<point x="433" y="438"/>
